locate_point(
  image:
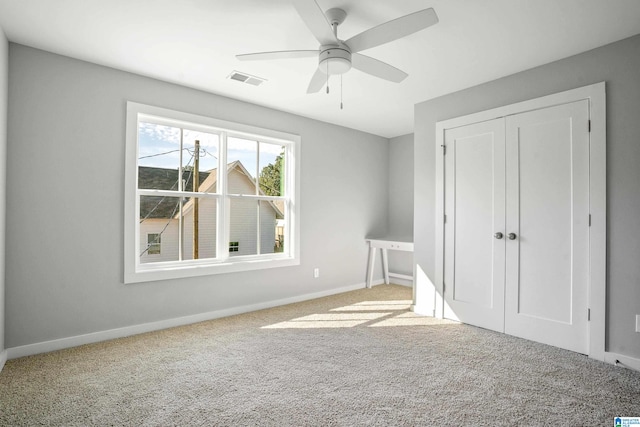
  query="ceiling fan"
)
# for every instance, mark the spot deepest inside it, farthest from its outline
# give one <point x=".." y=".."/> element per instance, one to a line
<point x="336" y="56"/>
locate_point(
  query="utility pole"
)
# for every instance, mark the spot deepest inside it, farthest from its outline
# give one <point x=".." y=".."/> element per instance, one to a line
<point x="196" y="187"/>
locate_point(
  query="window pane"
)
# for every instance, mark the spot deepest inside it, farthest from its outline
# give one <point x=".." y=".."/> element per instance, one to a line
<point x="206" y="158"/>
<point x="242" y="155"/>
<point x="245" y="217"/>
<point x="158" y="146"/>
<point x="202" y="231"/>
<point x="244" y="226"/>
<point x="160" y="216"/>
<point x="272" y="227"/>
<point x="271" y="160"/>
<point x="159" y="156"/>
<point x="281" y="242"/>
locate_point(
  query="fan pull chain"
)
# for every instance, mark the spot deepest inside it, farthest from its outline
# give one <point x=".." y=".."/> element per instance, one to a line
<point x="341" y="91"/>
<point x="327" y="76"/>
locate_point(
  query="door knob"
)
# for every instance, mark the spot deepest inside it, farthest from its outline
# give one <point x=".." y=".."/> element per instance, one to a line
<point x="498" y="235"/>
<point x="512" y="236"/>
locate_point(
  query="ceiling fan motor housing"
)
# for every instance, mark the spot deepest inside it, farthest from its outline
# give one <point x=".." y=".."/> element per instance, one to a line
<point x="336" y="57"/>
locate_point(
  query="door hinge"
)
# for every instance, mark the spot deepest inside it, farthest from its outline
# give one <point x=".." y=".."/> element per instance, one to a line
<point x="444" y="150"/>
<point x="445" y="219"/>
<point x="589" y="220"/>
<point x="589" y="125"/>
<point x="588" y="315"/>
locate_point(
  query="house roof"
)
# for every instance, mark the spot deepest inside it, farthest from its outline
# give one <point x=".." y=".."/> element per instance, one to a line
<point x="162" y="179"/>
<point x="154" y="207"/>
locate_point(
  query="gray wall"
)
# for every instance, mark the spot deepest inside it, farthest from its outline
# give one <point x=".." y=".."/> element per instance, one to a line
<point x="65" y="203"/>
<point x="619" y="65"/>
<point x="401" y="199"/>
<point x="4" y="75"/>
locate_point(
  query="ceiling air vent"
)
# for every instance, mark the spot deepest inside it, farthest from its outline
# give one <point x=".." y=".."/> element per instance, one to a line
<point x="246" y="78"/>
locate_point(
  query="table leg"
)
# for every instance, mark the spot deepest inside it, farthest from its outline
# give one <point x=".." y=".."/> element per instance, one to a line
<point x="372" y="259"/>
<point x="385" y="266"/>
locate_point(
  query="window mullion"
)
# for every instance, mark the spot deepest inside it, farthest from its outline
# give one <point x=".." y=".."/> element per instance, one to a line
<point x="258" y="237"/>
<point x="258" y="243"/>
<point x="289" y="189"/>
<point x="223" y="220"/>
<point x="180" y="189"/>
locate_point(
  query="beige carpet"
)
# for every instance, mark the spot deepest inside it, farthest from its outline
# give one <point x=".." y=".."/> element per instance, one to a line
<point x="359" y="358"/>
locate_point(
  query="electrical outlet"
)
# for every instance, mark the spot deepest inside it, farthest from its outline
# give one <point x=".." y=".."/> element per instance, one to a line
<point x="637" y="322"/>
<point x="316" y="273"/>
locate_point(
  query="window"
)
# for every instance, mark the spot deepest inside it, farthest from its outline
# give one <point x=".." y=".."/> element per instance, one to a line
<point x="153" y="243"/>
<point x="205" y="196"/>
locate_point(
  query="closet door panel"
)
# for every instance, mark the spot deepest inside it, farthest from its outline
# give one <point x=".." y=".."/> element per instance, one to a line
<point x="547" y="170"/>
<point x="474" y="206"/>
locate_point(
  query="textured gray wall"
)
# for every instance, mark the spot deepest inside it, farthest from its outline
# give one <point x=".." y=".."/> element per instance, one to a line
<point x="617" y="64"/>
<point x="401" y="199"/>
<point x="4" y="76"/>
<point x="65" y="203"/>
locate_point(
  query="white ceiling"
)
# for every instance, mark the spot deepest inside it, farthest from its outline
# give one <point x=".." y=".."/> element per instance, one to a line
<point x="194" y="43"/>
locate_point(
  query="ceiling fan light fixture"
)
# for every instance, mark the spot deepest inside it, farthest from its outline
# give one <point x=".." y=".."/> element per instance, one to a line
<point x="335" y="66"/>
<point x="334" y="60"/>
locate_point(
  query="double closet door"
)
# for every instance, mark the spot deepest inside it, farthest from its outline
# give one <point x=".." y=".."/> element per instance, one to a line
<point x="516" y="236"/>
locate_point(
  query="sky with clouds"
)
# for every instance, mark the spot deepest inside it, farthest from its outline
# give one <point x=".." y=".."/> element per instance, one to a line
<point x="159" y="146"/>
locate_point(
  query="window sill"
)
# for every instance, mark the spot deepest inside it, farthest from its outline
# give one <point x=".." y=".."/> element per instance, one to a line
<point x="148" y="273"/>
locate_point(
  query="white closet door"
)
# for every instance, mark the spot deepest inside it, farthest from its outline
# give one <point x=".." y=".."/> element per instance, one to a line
<point x="475" y="210"/>
<point x="547" y="175"/>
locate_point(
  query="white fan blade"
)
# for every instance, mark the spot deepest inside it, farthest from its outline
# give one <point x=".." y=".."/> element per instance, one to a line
<point x="393" y="30"/>
<point x="317" y="81"/>
<point x="377" y="68"/>
<point x="283" y="54"/>
<point x="316" y="21"/>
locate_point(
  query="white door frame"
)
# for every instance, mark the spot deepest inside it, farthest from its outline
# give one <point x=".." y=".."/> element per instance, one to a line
<point x="596" y="96"/>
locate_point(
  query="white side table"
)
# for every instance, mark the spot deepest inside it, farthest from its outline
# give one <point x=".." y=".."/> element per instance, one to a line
<point x="385" y="244"/>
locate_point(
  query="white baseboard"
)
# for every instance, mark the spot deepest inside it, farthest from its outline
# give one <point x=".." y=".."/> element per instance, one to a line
<point x="623" y="361"/>
<point x="394" y="281"/>
<point x="424" y="311"/>
<point x="62" y="343"/>
<point x="401" y="282"/>
<point x="3" y="359"/>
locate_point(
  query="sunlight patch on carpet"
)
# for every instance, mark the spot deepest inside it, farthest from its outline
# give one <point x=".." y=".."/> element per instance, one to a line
<point x="411" y="319"/>
<point x="396" y="305"/>
<point x="328" y="320"/>
<point x="366" y="313"/>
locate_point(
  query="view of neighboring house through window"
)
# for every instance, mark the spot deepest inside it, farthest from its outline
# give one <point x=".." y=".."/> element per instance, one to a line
<point x="209" y="194"/>
<point x="255" y="218"/>
<point x="178" y="165"/>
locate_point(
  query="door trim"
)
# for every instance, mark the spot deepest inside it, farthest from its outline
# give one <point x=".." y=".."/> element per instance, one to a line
<point x="596" y="96"/>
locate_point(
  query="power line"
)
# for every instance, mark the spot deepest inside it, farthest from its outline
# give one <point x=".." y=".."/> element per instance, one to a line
<point x="159" y="154"/>
<point x="175" y="151"/>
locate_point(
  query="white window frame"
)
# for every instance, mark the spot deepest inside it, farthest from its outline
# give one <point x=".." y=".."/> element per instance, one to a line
<point x="135" y="271"/>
